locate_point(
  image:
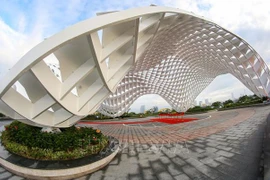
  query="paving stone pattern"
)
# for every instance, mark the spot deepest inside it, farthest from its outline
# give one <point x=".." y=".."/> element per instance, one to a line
<point x="226" y="146"/>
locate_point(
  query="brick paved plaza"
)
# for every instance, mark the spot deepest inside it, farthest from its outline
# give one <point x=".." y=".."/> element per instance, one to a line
<point x="225" y="146"/>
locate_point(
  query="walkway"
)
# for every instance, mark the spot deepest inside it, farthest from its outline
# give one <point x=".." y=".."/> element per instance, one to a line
<point x="226" y="146"/>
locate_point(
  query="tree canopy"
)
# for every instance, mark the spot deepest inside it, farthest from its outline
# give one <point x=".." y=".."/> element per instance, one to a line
<point x="216" y="104"/>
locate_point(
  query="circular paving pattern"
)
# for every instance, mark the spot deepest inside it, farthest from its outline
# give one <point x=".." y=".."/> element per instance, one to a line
<point x="227" y="146"/>
<point x="157" y="133"/>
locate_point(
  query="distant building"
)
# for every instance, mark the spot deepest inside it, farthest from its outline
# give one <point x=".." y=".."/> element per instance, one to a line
<point x="207" y="102"/>
<point x="142" y="109"/>
<point x="156" y="109"/>
<point x="200" y="103"/>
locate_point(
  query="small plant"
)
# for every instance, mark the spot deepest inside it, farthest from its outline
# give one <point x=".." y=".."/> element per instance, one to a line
<point x="71" y="143"/>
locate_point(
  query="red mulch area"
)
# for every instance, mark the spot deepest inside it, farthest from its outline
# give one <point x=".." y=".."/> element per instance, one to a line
<point x="173" y="120"/>
<point x="111" y="122"/>
<point x="161" y="120"/>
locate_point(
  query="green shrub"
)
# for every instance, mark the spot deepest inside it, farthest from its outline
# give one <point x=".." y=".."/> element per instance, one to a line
<point x="199" y="109"/>
<point x="71" y="143"/>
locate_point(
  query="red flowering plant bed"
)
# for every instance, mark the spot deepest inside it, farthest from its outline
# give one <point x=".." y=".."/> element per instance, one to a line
<point x="70" y="143"/>
<point x="173" y="120"/>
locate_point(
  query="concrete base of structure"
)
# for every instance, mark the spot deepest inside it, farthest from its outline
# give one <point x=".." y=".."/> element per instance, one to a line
<point x="57" y="174"/>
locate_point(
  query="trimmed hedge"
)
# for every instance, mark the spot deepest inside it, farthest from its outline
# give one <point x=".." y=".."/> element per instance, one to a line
<point x="71" y="143"/>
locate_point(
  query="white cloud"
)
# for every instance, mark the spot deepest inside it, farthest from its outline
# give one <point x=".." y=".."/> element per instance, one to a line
<point x="229" y="13"/>
<point x="149" y="101"/>
<point x="13" y="45"/>
<point x="222" y="88"/>
<point x="29" y="27"/>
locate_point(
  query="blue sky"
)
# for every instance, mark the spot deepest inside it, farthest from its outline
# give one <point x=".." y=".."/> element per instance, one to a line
<point x="25" y="23"/>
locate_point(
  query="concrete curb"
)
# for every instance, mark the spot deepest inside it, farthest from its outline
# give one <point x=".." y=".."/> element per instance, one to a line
<point x="59" y="174"/>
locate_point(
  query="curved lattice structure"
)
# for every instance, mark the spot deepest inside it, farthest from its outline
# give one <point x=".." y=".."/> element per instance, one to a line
<point x="107" y="62"/>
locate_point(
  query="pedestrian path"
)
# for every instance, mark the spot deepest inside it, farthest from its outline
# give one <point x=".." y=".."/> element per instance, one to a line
<point x="226" y="146"/>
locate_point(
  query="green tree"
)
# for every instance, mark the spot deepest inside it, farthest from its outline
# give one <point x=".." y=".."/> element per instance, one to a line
<point x="132" y="114"/>
<point x="243" y="99"/>
<point x="256" y="97"/>
<point x="148" y="112"/>
<point x="165" y="110"/>
<point x="228" y="103"/>
<point x="264" y="98"/>
<point x="217" y="104"/>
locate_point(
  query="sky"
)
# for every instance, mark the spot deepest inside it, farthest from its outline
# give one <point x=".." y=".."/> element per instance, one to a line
<point x="25" y="23"/>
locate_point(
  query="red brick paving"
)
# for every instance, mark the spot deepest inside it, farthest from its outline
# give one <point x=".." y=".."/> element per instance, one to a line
<point x="174" y="133"/>
<point x="162" y="120"/>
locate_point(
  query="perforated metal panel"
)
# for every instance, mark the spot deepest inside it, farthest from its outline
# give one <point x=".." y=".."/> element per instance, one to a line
<point x="107" y="62"/>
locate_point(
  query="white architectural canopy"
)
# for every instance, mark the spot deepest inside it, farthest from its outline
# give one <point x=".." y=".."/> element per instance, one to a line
<point x="107" y="62"/>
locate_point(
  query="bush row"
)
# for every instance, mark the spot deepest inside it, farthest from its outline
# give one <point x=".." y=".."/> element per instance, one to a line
<point x="49" y="154"/>
<point x="73" y="142"/>
<point x="243" y="104"/>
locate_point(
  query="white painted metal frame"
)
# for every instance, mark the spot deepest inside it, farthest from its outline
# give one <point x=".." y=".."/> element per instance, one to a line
<point x="112" y="59"/>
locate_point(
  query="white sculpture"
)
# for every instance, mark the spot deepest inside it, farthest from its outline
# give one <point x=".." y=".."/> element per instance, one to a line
<point x="111" y="60"/>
